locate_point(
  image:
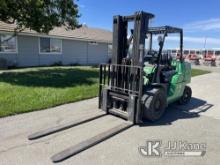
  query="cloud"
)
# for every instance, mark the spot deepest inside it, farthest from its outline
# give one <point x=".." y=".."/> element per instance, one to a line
<point x="204" y="25"/>
<point x="197" y="40"/>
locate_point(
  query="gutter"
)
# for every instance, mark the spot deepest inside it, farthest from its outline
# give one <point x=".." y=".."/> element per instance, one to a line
<point x="58" y="37"/>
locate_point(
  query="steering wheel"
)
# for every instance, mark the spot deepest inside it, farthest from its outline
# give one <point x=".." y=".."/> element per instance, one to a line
<point x="151" y="56"/>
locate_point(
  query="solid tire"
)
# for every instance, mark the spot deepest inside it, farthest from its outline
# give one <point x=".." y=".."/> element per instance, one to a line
<point x="154" y="104"/>
<point x="186" y="97"/>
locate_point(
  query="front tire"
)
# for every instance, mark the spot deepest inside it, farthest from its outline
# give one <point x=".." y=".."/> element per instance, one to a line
<point x="186" y="97"/>
<point x="154" y="104"/>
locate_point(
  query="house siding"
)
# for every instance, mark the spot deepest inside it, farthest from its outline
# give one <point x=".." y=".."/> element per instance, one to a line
<point x="73" y="52"/>
<point x="49" y="59"/>
<point x="97" y="53"/>
<point x="27" y="51"/>
<point x="11" y="58"/>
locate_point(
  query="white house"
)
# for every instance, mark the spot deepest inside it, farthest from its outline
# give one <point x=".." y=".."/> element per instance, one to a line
<point x="80" y="46"/>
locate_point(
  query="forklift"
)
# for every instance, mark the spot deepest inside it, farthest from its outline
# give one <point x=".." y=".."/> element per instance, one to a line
<point x="138" y="84"/>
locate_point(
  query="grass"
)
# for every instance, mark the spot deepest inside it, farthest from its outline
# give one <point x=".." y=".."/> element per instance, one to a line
<point x="26" y="90"/>
<point x="30" y="89"/>
<point x="197" y="72"/>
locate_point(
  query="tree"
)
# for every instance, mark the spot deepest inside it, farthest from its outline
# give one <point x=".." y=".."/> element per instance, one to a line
<point x="39" y="15"/>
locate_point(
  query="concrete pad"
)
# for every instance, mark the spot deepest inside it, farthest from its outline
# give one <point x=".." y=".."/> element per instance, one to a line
<point x="197" y="122"/>
<point x="206" y="89"/>
<point x="209" y="68"/>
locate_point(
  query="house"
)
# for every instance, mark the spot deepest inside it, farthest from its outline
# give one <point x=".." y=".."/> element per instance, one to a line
<point x="84" y="46"/>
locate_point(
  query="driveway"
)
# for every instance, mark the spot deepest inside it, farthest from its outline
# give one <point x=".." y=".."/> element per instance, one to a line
<point x="199" y="122"/>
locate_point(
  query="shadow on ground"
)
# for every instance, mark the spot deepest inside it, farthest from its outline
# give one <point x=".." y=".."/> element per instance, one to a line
<point x="176" y="112"/>
<point x="58" y="77"/>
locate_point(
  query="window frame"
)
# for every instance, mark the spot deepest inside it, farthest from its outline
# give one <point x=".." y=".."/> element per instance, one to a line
<point x="50" y="53"/>
<point x="16" y="43"/>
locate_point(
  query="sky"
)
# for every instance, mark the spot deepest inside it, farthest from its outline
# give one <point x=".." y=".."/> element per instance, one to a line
<point x="200" y="19"/>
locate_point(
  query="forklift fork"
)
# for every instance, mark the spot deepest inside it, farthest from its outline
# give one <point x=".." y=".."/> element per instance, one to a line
<point x="90" y="142"/>
<point x="63" y="127"/>
<point x="82" y="145"/>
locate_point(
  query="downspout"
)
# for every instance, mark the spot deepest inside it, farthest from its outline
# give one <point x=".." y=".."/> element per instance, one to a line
<point x="39" y="51"/>
<point x="87" y="53"/>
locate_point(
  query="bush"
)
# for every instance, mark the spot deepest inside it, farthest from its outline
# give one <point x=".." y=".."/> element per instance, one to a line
<point x="13" y="66"/>
<point x="58" y="63"/>
<point x="3" y="63"/>
<point x="95" y="66"/>
<point x="74" y="64"/>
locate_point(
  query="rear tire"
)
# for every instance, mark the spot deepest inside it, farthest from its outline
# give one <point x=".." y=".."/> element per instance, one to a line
<point x="213" y="63"/>
<point x="154" y="104"/>
<point x="187" y="94"/>
<point x="197" y="62"/>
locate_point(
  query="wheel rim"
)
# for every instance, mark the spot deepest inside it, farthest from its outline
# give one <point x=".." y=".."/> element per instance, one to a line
<point x="186" y="96"/>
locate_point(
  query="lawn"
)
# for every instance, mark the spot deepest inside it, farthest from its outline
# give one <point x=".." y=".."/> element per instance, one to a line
<point x="197" y="72"/>
<point x="26" y="90"/>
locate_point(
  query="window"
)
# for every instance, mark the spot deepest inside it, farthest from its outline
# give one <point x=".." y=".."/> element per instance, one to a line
<point x="173" y="51"/>
<point x="186" y="52"/>
<point x="217" y="52"/>
<point x="8" y="43"/>
<point x="210" y="52"/>
<point x="50" y="45"/>
<point x="192" y="51"/>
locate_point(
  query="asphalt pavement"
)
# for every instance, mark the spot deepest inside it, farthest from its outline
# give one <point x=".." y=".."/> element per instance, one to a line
<point x="196" y="123"/>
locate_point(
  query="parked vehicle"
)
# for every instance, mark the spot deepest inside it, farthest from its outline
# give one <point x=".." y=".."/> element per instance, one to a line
<point x="209" y="58"/>
<point x="193" y="57"/>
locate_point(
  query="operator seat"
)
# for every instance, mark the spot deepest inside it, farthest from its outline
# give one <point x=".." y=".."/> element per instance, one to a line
<point x="168" y="70"/>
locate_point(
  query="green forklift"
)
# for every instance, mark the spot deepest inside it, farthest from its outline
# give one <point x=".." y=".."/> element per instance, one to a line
<point x="139" y="82"/>
<point x="165" y="77"/>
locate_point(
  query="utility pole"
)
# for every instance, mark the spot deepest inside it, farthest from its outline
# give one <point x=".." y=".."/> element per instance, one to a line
<point x="205" y="43"/>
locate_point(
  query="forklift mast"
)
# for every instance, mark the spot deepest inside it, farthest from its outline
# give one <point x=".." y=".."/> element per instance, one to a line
<point x="121" y="94"/>
<point x="120" y="33"/>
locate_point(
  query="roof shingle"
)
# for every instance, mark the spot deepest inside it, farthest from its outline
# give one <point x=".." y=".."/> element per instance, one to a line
<point x="82" y="33"/>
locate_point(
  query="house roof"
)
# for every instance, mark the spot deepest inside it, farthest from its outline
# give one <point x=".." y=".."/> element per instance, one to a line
<point x="83" y="33"/>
